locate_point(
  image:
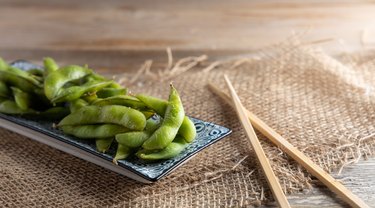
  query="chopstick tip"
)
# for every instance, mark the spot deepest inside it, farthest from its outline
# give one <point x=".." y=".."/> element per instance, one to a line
<point x="225" y="77"/>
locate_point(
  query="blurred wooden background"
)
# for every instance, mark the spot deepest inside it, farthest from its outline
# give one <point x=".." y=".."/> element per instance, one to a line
<point x="113" y="36"/>
<point x="121" y="34"/>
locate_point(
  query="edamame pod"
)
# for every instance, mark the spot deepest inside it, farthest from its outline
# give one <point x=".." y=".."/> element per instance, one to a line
<point x="77" y="104"/>
<point x="22" y="99"/>
<point x="102" y="145"/>
<point x="173" y="118"/>
<point x="135" y="139"/>
<point x="121" y="153"/>
<point x="18" y="71"/>
<point x="110" y="92"/>
<point x="24" y="74"/>
<point x="187" y="129"/>
<point x="114" y="114"/>
<point x="95" y="131"/>
<point x="36" y="73"/>
<point x="3" y="64"/>
<point x="54" y="113"/>
<point x="172" y="150"/>
<point x="49" y="66"/>
<point x="95" y="77"/>
<point x="4" y="90"/>
<point x="132" y="140"/>
<point x="26" y="84"/>
<point x="10" y="107"/>
<point x="116" y="85"/>
<point x="57" y="79"/>
<point x="156" y="104"/>
<point x="75" y="92"/>
<point x="124" y="100"/>
<point x="148" y="114"/>
<point x="38" y="78"/>
<point x="90" y="98"/>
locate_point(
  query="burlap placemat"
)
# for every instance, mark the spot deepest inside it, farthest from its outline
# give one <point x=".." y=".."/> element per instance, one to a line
<point x="322" y="105"/>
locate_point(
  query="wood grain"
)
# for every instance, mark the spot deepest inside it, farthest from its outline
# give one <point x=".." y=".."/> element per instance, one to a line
<point x="187" y="25"/>
<point x="359" y="178"/>
<point x="115" y="36"/>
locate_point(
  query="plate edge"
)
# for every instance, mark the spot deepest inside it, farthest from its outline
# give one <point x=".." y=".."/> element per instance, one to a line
<point x="70" y="149"/>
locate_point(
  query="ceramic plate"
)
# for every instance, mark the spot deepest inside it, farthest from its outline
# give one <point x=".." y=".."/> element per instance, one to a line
<point x="42" y="131"/>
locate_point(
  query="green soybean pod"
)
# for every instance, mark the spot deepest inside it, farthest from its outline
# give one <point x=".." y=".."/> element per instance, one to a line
<point x="36" y="77"/>
<point x="31" y="75"/>
<point x="49" y="66"/>
<point x="122" y="152"/>
<point x="135" y="139"/>
<point x="94" y="131"/>
<point x="54" y="113"/>
<point x="102" y="145"/>
<point x="24" y="74"/>
<point x="148" y="114"/>
<point x="114" y="114"/>
<point x="110" y="92"/>
<point x="172" y="150"/>
<point x="18" y="71"/>
<point x="75" y="92"/>
<point x="123" y="100"/>
<point x="26" y="84"/>
<point x="4" y="90"/>
<point x="116" y="85"/>
<point x="22" y="99"/>
<point x="173" y="118"/>
<point x="152" y="124"/>
<point x="57" y="79"/>
<point x="90" y="97"/>
<point x="95" y="77"/>
<point x="131" y="140"/>
<point x="77" y="104"/>
<point x="187" y="129"/>
<point x="3" y="64"/>
<point x="10" y="107"/>
<point x="36" y="73"/>
<point x="157" y="104"/>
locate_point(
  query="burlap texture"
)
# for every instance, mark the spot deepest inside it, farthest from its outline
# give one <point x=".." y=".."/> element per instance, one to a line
<point x="322" y="105"/>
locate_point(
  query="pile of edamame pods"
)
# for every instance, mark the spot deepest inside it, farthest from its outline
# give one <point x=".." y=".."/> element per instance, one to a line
<point x="90" y="106"/>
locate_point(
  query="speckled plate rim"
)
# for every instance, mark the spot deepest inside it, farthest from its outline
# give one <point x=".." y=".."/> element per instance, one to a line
<point x="49" y="138"/>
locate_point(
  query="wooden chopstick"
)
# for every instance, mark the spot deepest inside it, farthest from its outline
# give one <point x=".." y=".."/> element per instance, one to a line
<point x="255" y="144"/>
<point x="297" y="155"/>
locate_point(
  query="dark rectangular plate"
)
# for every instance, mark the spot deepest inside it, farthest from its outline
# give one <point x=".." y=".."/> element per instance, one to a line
<point x="42" y="131"/>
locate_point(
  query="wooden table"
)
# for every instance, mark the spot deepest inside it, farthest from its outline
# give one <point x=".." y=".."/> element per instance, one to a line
<point x="120" y="35"/>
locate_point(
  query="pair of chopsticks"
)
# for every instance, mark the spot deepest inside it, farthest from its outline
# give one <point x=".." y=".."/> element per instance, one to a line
<point x="245" y="117"/>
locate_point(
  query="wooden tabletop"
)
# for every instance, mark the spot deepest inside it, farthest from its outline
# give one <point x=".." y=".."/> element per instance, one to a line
<point x="120" y="35"/>
<point x="124" y="33"/>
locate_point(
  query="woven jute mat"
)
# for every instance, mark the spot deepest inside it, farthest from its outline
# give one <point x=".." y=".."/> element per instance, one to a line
<point x="322" y="105"/>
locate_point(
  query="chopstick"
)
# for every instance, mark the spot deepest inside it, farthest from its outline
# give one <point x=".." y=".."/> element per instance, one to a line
<point x="255" y="144"/>
<point x="297" y="155"/>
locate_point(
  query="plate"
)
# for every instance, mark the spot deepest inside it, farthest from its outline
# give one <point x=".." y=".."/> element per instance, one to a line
<point x="146" y="172"/>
